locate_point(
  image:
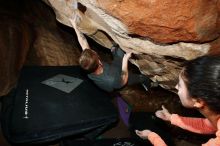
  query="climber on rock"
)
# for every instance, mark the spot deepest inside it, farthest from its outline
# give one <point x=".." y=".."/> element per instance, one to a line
<point x="106" y="76"/>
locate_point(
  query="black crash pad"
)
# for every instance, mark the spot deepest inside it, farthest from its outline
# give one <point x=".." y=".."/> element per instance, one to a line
<point x="103" y="142"/>
<point x="42" y="110"/>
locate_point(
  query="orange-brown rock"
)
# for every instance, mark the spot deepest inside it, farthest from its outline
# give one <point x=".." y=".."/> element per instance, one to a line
<point x="30" y="36"/>
<point x="15" y="41"/>
<point x="167" y="21"/>
<point x="218" y="6"/>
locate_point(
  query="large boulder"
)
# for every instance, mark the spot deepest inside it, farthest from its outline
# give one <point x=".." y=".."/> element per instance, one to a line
<point x="166" y="21"/>
<point x="162" y="34"/>
<point x="15" y="41"/>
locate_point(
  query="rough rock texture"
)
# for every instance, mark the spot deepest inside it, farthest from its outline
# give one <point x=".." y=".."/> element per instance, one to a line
<point x="15" y="41"/>
<point x="161" y="33"/>
<point x="29" y="35"/>
<point x="52" y="45"/>
<point x="218" y="6"/>
<point x="166" y="21"/>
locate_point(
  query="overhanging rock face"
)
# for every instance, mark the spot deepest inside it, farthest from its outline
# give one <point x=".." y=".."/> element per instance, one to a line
<point x="162" y="34"/>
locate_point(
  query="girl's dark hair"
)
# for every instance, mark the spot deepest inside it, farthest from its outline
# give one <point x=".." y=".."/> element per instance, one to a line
<point x="202" y="78"/>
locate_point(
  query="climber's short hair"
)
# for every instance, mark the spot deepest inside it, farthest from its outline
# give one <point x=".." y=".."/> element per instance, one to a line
<point x="89" y="60"/>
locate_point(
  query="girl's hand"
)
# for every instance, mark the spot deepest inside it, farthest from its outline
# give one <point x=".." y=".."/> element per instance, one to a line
<point x="163" y="114"/>
<point x="143" y="134"/>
